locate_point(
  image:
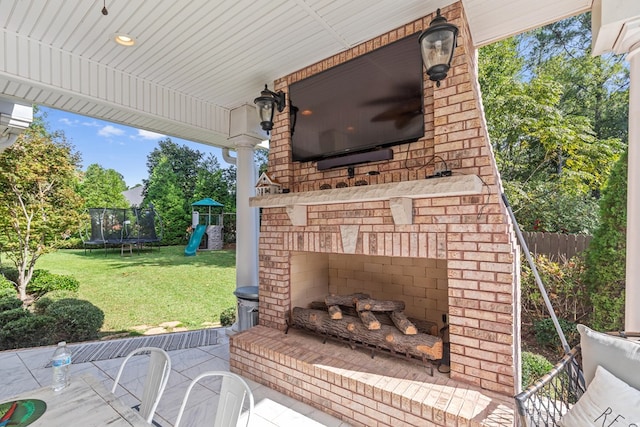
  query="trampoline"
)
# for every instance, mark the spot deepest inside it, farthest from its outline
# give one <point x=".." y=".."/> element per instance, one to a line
<point x="112" y="227"/>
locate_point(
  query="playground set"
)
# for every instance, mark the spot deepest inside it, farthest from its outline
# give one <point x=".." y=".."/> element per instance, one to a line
<point x="207" y="236"/>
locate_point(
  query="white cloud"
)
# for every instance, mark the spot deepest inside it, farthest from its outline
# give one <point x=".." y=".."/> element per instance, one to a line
<point x="108" y="131"/>
<point x="67" y="122"/>
<point x="93" y="124"/>
<point x="145" y="134"/>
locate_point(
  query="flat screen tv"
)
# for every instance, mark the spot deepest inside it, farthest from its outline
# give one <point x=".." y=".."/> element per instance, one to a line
<point x="374" y="100"/>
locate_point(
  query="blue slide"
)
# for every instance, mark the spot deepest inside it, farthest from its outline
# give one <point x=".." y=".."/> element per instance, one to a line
<point x="194" y="241"/>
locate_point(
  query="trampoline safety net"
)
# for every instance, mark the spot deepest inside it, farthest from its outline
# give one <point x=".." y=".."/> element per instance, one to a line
<point x="124" y="226"/>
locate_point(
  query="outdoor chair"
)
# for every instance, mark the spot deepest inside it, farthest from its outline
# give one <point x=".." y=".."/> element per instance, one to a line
<point x="548" y="399"/>
<point x="596" y="383"/>
<point x="233" y="392"/>
<point x="155" y="381"/>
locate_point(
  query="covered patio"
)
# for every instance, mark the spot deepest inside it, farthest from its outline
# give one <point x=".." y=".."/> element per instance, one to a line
<point x="26" y="370"/>
<point x="446" y="247"/>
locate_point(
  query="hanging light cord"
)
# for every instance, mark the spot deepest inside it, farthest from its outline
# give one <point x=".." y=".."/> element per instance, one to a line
<point x="105" y="12"/>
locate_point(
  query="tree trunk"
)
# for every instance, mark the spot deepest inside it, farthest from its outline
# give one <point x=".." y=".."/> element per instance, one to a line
<point x="388" y="337"/>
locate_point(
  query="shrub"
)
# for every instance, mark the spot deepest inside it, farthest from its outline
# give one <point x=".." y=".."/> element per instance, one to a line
<point x="45" y="301"/>
<point x="44" y="282"/>
<point x="9" y="303"/>
<point x="228" y="316"/>
<point x="534" y="367"/>
<point x="13" y="314"/>
<point x="547" y="335"/>
<point x="75" y="320"/>
<point x="564" y="286"/>
<point x="7" y="288"/>
<point x="71" y="243"/>
<point x="606" y="254"/>
<point x="28" y="331"/>
<point x="10" y="273"/>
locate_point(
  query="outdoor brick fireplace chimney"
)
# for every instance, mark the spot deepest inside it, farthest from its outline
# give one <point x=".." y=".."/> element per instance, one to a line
<point x="444" y="246"/>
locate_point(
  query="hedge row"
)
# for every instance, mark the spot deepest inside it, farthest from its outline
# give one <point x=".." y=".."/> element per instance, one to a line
<point x="55" y="316"/>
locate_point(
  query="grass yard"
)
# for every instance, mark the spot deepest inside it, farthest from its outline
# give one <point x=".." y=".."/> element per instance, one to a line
<point x="150" y="288"/>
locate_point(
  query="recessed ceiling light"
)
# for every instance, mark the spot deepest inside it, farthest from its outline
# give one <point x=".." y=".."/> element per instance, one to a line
<point x="124" y="39"/>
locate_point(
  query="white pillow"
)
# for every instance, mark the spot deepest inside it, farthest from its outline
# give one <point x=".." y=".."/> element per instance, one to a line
<point x="608" y="401"/>
<point x="619" y="356"/>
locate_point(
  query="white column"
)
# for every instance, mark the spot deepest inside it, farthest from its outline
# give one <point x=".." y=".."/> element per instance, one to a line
<point x="247" y="231"/>
<point x="632" y="293"/>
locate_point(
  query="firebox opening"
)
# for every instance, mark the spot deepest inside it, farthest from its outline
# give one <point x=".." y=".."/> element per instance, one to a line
<point x="420" y="282"/>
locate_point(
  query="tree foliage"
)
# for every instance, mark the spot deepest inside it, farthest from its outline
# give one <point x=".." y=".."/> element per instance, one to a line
<point x="102" y="188"/>
<point x="555" y="117"/>
<point x="606" y="255"/>
<point x="180" y="176"/>
<point x="214" y="182"/>
<point x="39" y="206"/>
<point x="164" y="192"/>
<point x="183" y="162"/>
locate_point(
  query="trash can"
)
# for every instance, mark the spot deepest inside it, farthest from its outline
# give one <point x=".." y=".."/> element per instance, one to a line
<point x="247" y="307"/>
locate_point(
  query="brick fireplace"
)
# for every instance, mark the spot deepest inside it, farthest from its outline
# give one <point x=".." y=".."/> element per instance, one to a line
<point x="443" y="245"/>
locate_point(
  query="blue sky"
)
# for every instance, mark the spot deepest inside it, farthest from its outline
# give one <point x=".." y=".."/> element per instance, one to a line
<point x="114" y="146"/>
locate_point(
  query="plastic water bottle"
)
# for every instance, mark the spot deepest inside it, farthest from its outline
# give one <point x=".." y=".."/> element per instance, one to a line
<point x="61" y="363"/>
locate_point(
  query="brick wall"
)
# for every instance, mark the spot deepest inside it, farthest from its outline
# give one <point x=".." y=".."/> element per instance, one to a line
<point x="470" y="237"/>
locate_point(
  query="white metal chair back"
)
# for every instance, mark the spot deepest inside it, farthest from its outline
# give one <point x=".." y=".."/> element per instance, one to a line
<point x="155" y="381"/>
<point x="233" y="392"/>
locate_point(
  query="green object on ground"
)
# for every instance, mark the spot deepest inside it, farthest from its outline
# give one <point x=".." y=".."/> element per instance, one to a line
<point x="194" y="241"/>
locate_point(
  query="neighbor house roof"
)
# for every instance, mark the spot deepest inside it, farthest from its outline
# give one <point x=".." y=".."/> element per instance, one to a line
<point x="134" y="196"/>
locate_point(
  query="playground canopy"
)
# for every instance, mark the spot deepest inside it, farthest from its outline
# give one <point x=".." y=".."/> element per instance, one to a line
<point x="119" y="226"/>
<point x="208" y="203"/>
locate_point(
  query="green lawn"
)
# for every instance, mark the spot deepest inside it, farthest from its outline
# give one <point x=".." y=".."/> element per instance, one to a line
<point x="150" y="288"/>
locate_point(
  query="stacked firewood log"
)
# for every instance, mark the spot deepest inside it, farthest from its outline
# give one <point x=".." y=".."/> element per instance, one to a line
<point x="378" y="323"/>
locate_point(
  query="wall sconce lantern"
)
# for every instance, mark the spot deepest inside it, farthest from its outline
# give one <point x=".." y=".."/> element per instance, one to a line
<point x="437" y="44"/>
<point x="266" y="104"/>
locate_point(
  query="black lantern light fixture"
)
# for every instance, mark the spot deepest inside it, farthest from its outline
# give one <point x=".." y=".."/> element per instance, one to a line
<point x="266" y="104"/>
<point x="437" y="44"/>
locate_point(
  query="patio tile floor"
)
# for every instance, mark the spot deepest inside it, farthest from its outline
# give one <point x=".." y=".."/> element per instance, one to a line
<point x="24" y="370"/>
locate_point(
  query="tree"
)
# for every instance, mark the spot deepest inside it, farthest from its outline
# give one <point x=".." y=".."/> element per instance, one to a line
<point x="606" y="255"/>
<point x="39" y="206"/>
<point x="184" y="163"/>
<point x="229" y="176"/>
<point x="211" y="183"/>
<point x="551" y="148"/>
<point x="261" y="158"/>
<point x="102" y="188"/>
<point x="164" y="192"/>
<point x="596" y="87"/>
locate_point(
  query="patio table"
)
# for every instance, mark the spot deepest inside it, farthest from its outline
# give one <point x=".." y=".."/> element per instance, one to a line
<point x="85" y="402"/>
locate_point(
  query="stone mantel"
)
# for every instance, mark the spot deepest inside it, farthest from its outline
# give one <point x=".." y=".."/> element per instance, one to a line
<point x="399" y="194"/>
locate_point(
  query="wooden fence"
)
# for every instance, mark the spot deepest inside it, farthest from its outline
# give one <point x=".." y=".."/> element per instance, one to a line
<point x="556" y="245"/>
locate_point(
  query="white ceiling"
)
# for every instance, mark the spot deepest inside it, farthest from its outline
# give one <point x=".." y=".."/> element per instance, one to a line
<point x="196" y="60"/>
